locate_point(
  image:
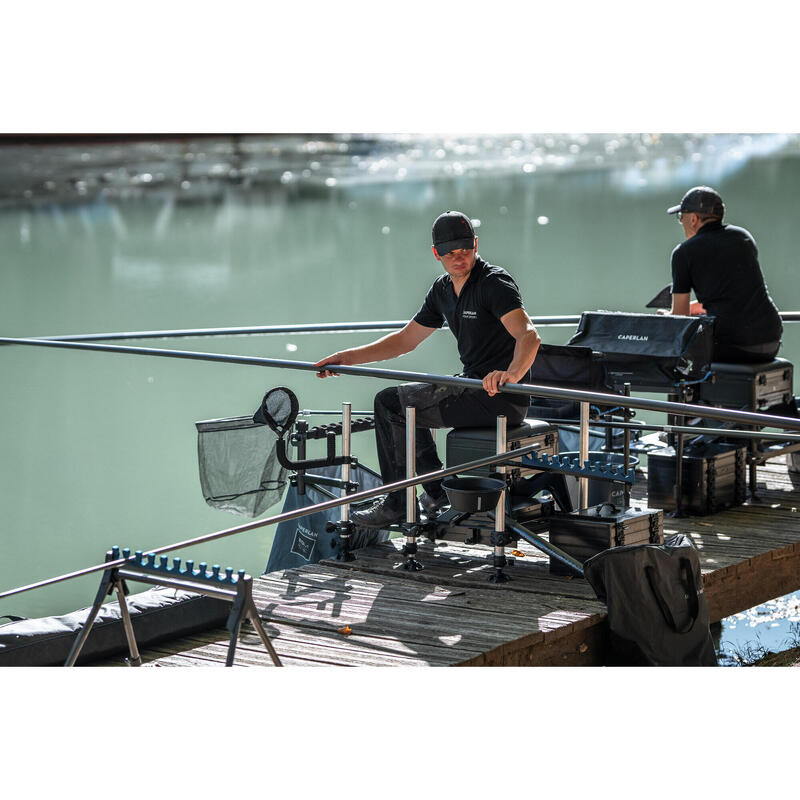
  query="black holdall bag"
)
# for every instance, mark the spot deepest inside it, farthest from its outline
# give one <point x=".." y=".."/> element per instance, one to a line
<point x="649" y="351"/>
<point x="657" y="611"/>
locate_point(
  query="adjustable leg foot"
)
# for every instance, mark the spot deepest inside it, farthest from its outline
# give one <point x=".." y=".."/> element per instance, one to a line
<point x="410" y="550"/>
<point x="499" y="576"/>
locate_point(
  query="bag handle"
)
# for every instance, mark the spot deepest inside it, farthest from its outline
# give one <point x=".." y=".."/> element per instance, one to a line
<point x="692" y="596"/>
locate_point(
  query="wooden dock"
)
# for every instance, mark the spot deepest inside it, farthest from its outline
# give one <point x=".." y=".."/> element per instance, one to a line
<point x="372" y="612"/>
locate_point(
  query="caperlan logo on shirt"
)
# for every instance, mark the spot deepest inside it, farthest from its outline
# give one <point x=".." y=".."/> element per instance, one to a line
<point x="632" y="337"/>
<point x="469" y="314"/>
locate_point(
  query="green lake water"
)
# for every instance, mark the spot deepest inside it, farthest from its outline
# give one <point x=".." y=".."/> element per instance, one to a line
<point x="100" y="449"/>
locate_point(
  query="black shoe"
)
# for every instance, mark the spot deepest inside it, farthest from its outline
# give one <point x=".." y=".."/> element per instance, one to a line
<point x="432" y="505"/>
<point x="378" y="515"/>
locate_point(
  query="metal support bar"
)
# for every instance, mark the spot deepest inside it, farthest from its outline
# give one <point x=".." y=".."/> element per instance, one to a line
<point x="410" y="547"/>
<point x="583" y="455"/>
<point x="679" y="461"/>
<point x="345" y="509"/>
<point x="545" y="546"/>
<point x="626" y="447"/>
<point x="499" y="554"/>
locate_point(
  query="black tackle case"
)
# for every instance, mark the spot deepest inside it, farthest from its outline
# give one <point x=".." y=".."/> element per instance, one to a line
<point x="589" y="531"/>
<point x="714" y="478"/>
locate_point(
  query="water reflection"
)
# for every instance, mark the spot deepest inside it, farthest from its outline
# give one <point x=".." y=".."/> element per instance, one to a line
<point x="227" y="231"/>
<point x="199" y="168"/>
<point x="770" y="627"/>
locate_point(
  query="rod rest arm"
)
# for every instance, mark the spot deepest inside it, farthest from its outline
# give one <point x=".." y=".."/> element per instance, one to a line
<point x="322" y="431"/>
<point x="331" y="460"/>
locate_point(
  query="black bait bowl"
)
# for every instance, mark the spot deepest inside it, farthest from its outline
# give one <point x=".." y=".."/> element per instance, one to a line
<point x="473" y="493"/>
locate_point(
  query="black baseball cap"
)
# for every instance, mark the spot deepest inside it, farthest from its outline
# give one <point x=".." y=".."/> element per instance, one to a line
<point x="453" y="231"/>
<point x="700" y="200"/>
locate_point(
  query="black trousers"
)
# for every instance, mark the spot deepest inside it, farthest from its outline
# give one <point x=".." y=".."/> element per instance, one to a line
<point x="435" y="407"/>
<point x="745" y="354"/>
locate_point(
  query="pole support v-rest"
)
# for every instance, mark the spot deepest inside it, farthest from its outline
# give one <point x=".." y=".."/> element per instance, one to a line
<point x="144" y="569"/>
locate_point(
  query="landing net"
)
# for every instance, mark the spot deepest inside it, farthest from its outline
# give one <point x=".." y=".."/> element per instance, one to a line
<point x="239" y="468"/>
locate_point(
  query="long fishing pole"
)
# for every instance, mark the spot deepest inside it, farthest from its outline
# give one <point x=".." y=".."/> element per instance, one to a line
<point x="598" y="398"/>
<point x="573" y="424"/>
<point x="348" y="499"/>
<point x="313" y="327"/>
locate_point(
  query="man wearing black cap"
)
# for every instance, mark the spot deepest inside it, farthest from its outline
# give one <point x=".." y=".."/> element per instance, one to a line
<point x="497" y="343"/>
<point x="720" y="262"/>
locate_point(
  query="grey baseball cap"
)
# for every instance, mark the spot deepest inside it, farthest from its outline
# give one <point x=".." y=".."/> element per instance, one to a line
<point x="700" y="200"/>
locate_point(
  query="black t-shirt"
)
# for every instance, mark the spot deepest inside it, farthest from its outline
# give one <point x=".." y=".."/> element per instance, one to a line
<point x="474" y="318"/>
<point x="720" y="262"/>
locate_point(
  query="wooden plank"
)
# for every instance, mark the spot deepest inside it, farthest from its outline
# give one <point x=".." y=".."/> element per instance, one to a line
<point x="449" y="613"/>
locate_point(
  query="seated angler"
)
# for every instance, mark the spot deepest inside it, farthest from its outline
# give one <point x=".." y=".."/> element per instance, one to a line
<point x="720" y="263"/>
<point x="497" y="343"/>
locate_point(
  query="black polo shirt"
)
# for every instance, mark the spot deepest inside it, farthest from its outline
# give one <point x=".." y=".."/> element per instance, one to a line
<point x="720" y="262"/>
<point x="474" y="318"/>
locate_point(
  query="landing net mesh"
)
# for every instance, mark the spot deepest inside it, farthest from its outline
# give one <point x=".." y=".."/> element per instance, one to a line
<point x="239" y="468"/>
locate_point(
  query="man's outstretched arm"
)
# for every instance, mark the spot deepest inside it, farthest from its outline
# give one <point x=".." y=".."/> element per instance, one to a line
<point x="392" y="345"/>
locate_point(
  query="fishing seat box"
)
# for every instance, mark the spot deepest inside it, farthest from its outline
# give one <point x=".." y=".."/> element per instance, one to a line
<point x="469" y="444"/>
<point x="749" y="387"/>
<point x="589" y="531"/>
<point x="714" y="478"/>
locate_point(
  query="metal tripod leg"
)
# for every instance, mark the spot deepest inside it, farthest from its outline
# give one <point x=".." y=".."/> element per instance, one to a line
<point x="109" y="583"/>
<point x="234" y="623"/>
<point x="243" y="606"/>
<point x="256" y="620"/>
<point x="135" y="660"/>
<point x="105" y="588"/>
